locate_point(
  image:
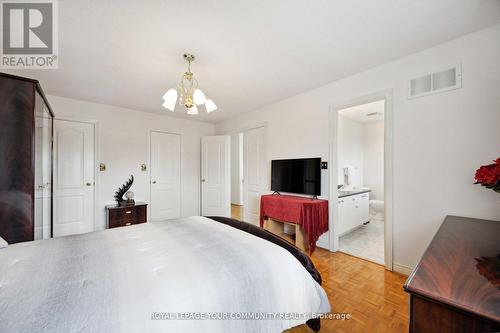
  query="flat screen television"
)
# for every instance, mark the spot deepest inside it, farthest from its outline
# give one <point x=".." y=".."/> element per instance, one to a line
<point x="301" y="176"/>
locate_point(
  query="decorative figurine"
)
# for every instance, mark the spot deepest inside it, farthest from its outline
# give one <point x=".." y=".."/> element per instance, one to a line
<point x="130" y="198"/>
<point x="122" y="190"/>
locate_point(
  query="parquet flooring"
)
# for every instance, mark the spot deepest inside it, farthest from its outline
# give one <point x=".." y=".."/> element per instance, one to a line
<point x="373" y="296"/>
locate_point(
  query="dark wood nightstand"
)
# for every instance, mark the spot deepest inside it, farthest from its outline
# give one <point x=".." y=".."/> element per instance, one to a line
<point x="121" y="216"/>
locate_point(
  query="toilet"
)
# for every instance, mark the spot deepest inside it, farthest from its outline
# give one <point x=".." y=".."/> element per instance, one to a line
<point x="376" y="210"/>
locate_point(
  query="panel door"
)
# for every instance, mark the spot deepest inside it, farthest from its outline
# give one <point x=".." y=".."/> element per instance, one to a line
<point x="254" y="173"/>
<point x="73" y="177"/>
<point x="216" y="175"/>
<point x="165" y="176"/>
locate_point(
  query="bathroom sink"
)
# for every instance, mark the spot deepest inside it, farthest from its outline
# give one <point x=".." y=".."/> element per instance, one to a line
<point x="352" y="190"/>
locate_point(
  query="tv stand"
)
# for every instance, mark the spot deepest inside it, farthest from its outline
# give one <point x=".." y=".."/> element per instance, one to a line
<point x="308" y="217"/>
<point x="315" y="197"/>
<point x="276" y="193"/>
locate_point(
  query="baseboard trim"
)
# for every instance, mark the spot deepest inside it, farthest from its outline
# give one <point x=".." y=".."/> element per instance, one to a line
<point x="402" y="269"/>
<point x="322" y="245"/>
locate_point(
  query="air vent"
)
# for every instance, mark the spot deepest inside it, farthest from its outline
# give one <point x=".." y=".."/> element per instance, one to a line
<point x="434" y="83"/>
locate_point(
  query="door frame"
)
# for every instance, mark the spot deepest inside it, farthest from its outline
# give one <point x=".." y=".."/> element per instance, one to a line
<point x="148" y="169"/>
<point x="386" y="95"/>
<point x="265" y="161"/>
<point x="96" y="126"/>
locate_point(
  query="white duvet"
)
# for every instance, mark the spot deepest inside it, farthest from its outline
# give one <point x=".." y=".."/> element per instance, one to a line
<point x="117" y="280"/>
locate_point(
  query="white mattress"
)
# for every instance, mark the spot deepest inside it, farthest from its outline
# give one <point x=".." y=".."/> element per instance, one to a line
<point x="113" y="280"/>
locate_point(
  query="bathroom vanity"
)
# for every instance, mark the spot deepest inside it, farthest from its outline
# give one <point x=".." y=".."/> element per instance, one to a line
<point x="353" y="209"/>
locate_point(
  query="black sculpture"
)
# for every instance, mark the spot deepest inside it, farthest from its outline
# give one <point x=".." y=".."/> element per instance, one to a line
<point x="122" y="190"/>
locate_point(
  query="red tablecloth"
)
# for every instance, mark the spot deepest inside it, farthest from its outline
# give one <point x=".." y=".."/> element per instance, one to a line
<point x="311" y="215"/>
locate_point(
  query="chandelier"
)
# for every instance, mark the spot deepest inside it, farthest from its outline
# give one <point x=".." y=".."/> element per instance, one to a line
<point x="187" y="93"/>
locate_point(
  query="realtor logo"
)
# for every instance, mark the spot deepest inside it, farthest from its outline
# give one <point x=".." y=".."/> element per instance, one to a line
<point x="29" y="34"/>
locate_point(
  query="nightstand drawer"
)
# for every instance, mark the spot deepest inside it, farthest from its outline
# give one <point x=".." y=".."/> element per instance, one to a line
<point x="122" y="223"/>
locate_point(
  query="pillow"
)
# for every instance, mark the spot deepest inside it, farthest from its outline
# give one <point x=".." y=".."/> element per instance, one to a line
<point x="3" y="243"/>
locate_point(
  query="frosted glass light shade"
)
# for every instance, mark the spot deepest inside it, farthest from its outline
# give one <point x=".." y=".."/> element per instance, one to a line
<point x="198" y="97"/>
<point x="170" y="99"/>
<point x="193" y="110"/>
<point x="210" y="105"/>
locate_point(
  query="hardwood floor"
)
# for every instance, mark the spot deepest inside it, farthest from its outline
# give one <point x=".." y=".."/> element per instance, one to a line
<point x="372" y="296"/>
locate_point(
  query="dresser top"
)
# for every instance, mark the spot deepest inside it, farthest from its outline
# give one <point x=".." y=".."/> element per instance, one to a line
<point x="116" y="206"/>
<point x="461" y="267"/>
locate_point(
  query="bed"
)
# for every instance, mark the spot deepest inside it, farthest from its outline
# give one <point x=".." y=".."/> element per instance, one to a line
<point x="173" y="276"/>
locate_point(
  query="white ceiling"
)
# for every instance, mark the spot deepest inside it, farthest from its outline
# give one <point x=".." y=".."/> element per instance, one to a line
<point x="360" y="113"/>
<point x="249" y="53"/>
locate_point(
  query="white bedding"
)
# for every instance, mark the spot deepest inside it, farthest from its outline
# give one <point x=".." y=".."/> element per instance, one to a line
<point x="113" y="280"/>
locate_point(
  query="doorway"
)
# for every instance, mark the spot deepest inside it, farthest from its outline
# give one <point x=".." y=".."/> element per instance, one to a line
<point x="243" y="150"/>
<point x="360" y="156"/>
<point x="361" y="178"/>
<point x="237" y="176"/>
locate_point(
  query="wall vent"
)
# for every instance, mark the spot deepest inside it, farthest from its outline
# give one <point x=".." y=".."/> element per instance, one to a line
<point x="437" y="82"/>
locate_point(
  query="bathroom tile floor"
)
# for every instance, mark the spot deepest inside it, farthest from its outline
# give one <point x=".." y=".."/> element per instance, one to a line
<point x="366" y="242"/>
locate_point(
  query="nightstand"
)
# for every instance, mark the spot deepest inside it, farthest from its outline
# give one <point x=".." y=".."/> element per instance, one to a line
<point x="121" y="216"/>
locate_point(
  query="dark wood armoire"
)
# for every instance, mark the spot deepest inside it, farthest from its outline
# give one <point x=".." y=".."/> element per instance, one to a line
<point x="26" y="132"/>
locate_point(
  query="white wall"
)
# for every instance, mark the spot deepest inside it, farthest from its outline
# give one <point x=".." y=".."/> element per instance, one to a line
<point x="236" y="168"/>
<point x="122" y="144"/>
<point x="439" y="140"/>
<point x="350" y="150"/>
<point x="373" y="158"/>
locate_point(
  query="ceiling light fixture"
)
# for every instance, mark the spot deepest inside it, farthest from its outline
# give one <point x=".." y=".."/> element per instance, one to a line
<point x="187" y="93"/>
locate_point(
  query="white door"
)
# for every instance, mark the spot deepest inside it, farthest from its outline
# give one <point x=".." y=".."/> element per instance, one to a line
<point x="254" y="173"/>
<point x="216" y="176"/>
<point x="73" y="177"/>
<point x="165" y="176"/>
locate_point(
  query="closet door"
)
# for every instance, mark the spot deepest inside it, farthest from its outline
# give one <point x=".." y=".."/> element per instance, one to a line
<point x="254" y="180"/>
<point x="73" y="177"/>
<point x="43" y="170"/>
<point x="16" y="172"/>
<point x="165" y="176"/>
<point x="216" y="175"/>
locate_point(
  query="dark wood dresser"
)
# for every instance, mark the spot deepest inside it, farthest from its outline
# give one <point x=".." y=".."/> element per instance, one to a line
<point x="121" y="216"/>
<point x="456" y="285"/>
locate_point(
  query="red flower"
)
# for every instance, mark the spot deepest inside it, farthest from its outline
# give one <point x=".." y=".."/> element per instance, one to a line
<point x="488" y="174"/>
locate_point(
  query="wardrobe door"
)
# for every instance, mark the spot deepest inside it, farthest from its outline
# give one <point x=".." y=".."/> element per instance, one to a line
<point x="43" y="170"/>
<point x="16" y="160"/>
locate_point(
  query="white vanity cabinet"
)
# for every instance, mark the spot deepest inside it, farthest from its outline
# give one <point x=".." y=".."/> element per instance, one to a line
<point x="353" y="212"/>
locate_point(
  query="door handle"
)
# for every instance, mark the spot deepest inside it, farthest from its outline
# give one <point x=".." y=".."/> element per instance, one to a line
<point x="154" y="181"/>
<point x="203" y="180"/>
<point x="88" y="184"/>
